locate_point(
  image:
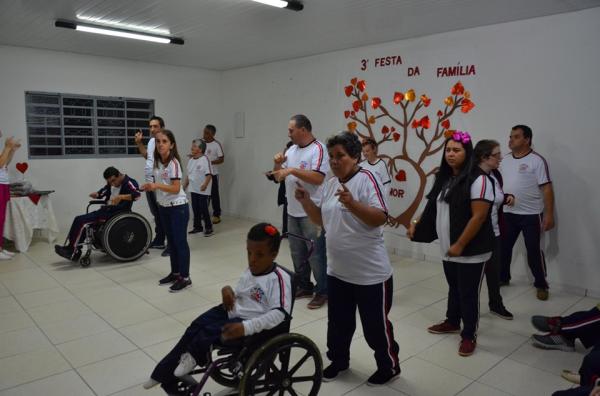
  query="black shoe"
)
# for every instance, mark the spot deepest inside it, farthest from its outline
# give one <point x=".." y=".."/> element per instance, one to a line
<point x="501" y="312"/>
<point x="166" y="252"/>
<point x="64" y="251"/>
<point x="196" y="230"/>
<point x="547" y="324"/>
<point x="332" y="371"/>
<point x="157" y="245"/>
<point x="167" y="280"/>
<point x="180" y="284"/>
<point x="208" y="233"/>
<point x="381" y="377"/>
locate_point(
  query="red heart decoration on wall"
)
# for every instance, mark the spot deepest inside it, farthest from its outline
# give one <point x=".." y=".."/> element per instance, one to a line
<point x="348" y="90"/>
<point x="22" y="167"/>
<point x="401" y="176"/>
<point x="375" y="102"/>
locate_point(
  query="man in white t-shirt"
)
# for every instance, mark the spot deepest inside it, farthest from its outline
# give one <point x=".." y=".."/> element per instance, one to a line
<point x="306" y="163"/>
<point x="376" y="165"/>
<point x="156" y="124"/>
<point x="214" y="152"/>
<point x="527" y="178"/>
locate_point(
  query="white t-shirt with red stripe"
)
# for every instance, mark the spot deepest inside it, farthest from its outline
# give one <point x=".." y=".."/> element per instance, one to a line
<point x="380" y="170"/>
<point x="523" y="178"/>
<point x="198" y="170"/>
<point x="310" y="157"/>
<point x="356" y="252"/>
<point x="481" y="190"/>
<point x="261" y="299"/>
<point x="214" y="151"/>
<point x="166" y="175"/>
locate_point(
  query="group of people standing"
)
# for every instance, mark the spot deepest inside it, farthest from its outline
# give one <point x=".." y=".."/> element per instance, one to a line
<point x="475" y="209"/>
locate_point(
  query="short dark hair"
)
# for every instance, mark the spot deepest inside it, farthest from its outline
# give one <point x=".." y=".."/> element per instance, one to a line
<point x="370" y="142"/>
<point x="527" y="132"/>
<point x="349" y="141"/>
<point x="211" y="128"/>
<point x="264" y="232"/>
<point x="483" y="149"/>
<point x="302" y="121"/>
<point x="110" y="172"/>
<point x="160" y="120"/>
<point x="201" y="144"/>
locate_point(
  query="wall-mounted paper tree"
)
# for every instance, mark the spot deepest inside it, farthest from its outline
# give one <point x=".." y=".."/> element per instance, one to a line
<point x="395" y="129"/>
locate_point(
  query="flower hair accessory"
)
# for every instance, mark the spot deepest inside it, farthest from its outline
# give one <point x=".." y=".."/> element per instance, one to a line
<point x="460" y="136"/>
<point x="270" y="230"/>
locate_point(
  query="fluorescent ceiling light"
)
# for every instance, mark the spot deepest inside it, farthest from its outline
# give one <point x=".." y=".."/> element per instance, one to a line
<point x="121" y="25"/>
<point x="290" y="4"/>
<point x="108" y="31"/>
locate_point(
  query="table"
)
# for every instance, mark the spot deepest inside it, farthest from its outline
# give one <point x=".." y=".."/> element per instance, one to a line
<point x="23" y="216"/>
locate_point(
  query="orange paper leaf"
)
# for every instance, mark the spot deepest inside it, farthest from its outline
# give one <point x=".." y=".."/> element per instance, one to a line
<point x="398" y="96"/>
<point x="410" y="95"/>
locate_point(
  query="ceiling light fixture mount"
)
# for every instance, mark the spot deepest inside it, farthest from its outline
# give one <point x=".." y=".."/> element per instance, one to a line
<point x="293" y="5"/>
<point x="110" y="31"/>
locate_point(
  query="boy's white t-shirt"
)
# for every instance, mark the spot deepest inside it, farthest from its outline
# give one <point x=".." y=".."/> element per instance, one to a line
<point x="260" y="300"/>
<point x="310" y="157"/>
<point x="214" y="150"/>
<point x="481" y="189"/>
<point x="149" y="165"/>
<point x="166" y="175"/>
<point x="356" y="252"/>
<point x="198" y="169"/>
<point x="381" y="171"/>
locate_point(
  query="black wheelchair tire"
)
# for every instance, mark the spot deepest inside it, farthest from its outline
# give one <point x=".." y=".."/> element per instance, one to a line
<point x="120" y="253"/>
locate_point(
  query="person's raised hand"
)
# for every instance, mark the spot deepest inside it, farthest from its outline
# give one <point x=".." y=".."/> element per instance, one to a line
<point x="138" y="137"/>
<point x="344" y="195"/>
<point x="279" y="158"/>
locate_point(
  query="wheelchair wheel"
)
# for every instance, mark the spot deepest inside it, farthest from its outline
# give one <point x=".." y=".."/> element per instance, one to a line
<point x="286" y="364"/>
<point x="126" y="236"/>
<point x="229" y="374"/>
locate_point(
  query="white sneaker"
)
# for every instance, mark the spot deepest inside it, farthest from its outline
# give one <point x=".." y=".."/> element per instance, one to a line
<point x="8" y="253"/>
<point x="4" y="256"/>
<point x="151" y="383"/>
<point x="186" y="365"/>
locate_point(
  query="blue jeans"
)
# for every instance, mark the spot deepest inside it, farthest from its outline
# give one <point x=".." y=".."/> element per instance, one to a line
<point x="317" y="262"/>
<point x="175" y="220"/>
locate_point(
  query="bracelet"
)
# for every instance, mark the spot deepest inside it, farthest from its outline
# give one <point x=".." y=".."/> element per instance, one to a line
<point x="415" y="221"/>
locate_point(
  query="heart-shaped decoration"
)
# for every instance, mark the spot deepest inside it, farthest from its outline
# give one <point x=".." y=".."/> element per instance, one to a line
<point x="346" y="113"/>
<point x="385" y="129"/>
<point x="356" y="105"/>
<point x="375" y="102"/>
<point x="361" y="85"/>
<point x="396" y="136"/>
<point x="446" y="124"/>
<point x="401" y="176"/>
<point x="348" y="90"/>
<point x="22" y="167"/>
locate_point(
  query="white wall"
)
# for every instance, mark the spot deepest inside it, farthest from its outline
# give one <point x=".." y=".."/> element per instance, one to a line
<point x="542" y="72"/>
<point x="187" y="99"/>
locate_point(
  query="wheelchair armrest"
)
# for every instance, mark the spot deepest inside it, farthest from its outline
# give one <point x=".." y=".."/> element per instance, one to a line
<point x="94" y="202"/>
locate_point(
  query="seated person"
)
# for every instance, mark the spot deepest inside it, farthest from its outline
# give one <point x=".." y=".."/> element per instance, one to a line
<point x="118" y="194"/>
<point x="261" y="301"/>
<point x="562" y="331"/>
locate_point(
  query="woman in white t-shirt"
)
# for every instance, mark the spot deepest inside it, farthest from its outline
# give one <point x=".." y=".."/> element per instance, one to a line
<point x="352" y="210"/>
<point x="173" y="208"/>
<point x="10" y="146"/>
<point x="488" y="156"/>
<point x="458" y="214"/>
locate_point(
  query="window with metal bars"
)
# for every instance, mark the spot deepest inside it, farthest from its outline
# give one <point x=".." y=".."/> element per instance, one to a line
<point x="82" y="126"/>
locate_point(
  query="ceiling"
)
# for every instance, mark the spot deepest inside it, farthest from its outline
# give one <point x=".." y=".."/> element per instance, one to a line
<point x="229" y="34"/>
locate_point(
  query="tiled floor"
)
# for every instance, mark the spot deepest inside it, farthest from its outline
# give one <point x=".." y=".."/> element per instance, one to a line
<point x="66" y="330"/>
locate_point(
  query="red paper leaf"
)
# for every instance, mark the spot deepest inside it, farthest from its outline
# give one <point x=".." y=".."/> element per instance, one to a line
<point x="385" y="129"/>
<point x="425" y="122"/>
<point x="415" y="124"/>
<point x="348" y="90"/>
<point x="356" y="105"/>
<point x="446" y="124"/>
<point x="457" y="89"/>
<point x="353" y="81"/>
<point x="346" y="113"/>
<point x="398" y="96"/>
<point x="375" y="102"/>
<point x="396" y="136"/>
<point x="361" y="85"/>
<point x="440" y="114"/>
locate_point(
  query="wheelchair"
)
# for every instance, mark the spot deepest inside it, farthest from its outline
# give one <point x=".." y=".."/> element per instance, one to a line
<point x="125" y="236"/>
<point x="274" y="361"/>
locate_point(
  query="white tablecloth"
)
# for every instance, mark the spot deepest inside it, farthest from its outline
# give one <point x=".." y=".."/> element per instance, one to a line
<point x="23" y="216"/>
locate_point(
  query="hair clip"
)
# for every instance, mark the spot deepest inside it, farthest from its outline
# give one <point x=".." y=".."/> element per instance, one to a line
<point x="460" y="136"/>
<point x="270" y="230"/>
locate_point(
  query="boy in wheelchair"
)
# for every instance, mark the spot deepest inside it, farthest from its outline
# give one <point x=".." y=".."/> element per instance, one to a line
<point x="116" y="196"/>
<point x="262" y="300"/>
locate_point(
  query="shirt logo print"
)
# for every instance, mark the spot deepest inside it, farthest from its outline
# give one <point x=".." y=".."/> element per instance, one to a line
<point x="257" y="294"/>
<point x="303" y="165"/>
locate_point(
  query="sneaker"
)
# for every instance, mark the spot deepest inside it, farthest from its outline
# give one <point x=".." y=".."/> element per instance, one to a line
<point x="303" y="293"/>
<point x="216" y="219"/>
<point x="466" y="347"/>
<point x="157" y="245"/>
<point x="166" y="252"/>
<point x="553" y="341"/>
<point x="151" y="383"/>
<point x="501" y="312"/>
<point x="443" y="328"/>
<point x="331" y="372"/>
<point x="4" y="256"/>
<point x="196" y="231"/>
<point x="571" y="376"/>
<point x="542" y="294"/>
<point x="546" y="324"/>
<point x="8" y="253"/>
<point x="381" y="377"/>
<point x="186" y="365"/>
<point x="317" y="301"/>
<point x="167" y="280"/>
<point x="180" y="284"/>
<point x="208" y="233"/>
